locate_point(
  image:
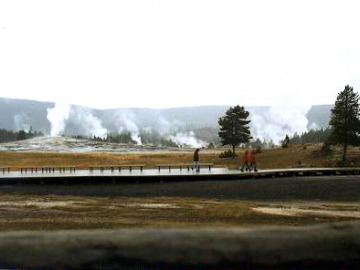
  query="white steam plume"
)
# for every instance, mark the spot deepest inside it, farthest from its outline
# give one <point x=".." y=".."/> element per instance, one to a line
<point x="187" y="138"/>
<point x="87" y="123"/>
<point x="57" y="117"/>
<point x="126" y="123"/>
<point x="172" y="132"/>
<point x="279" y="121"/>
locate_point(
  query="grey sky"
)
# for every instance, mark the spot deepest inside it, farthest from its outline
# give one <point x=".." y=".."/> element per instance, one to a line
<point x="163" y="53"/>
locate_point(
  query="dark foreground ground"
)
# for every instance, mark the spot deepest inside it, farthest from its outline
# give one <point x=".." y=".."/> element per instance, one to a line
<point x="331" y="246"/>
<point x="324" y="188"/>
<point x="322" y="246"/>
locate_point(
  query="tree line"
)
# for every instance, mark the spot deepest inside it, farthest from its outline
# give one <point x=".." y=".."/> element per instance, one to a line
<point x="9" y="135"/>
<point x="344" y="129"/>
<point x="311" y="136"/>
<point x="344" y="125"/>
<point x="126" y="137"/>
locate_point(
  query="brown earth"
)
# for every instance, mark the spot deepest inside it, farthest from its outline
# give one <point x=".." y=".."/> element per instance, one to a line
<point x="237" y="203"/>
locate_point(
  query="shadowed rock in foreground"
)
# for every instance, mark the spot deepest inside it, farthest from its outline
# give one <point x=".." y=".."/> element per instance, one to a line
<point x="310" y="246"/>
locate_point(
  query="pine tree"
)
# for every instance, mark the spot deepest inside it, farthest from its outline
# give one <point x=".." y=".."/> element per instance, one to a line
<point x="234" y="127"/>
<point x="21" y="135"/>
<point x="344" y="121"/>
<point x="285" y="142"/>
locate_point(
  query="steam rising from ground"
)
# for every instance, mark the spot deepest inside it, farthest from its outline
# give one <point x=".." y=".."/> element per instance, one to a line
<point x="273" y="123"/>
<point x="86" y="123"/>
<point x="126" y="122"/>
<point x="187" y="138"/>
<point x="278" y="121"/>
<point x="74" y="120"/>
<point x="57" y="117"/>
<point x="174" y="131"/>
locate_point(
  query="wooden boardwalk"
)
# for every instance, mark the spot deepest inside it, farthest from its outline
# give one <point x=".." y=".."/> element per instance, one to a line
<point x="69" y="175"/>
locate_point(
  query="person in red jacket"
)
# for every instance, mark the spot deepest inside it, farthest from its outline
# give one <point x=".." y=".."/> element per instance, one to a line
<point x="246" y="161"/>
<point x="252" y="161"/>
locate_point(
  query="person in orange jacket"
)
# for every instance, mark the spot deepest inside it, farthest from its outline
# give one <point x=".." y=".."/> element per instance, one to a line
<point x="252" y="161"/>
<point x="246" y="161"/>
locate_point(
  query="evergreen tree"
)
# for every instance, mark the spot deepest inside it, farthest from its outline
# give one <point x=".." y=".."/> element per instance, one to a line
<point x="285" y="142"/>
<point x="344" y="121"/>
<point x="311" y="136"/>
<point x="234" y="127"/>
<point x="21" y="135"/>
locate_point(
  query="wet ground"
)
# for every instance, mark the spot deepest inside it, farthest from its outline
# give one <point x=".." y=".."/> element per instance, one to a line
<point x="136" y="172"/>
<point x="65" y="144"/>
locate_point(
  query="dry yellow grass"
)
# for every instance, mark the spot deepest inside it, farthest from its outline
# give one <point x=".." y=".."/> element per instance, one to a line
<point x="267" y="159"/>
<point x="27" y="211"/>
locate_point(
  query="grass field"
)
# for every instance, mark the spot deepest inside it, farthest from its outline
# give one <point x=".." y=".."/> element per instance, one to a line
<point x="266" y="159"/>
<point x="157" y="207"/>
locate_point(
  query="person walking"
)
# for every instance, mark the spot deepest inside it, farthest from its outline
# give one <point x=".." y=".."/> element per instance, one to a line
<point x="196" y="160"/>
<point x="252" y="161"/>
<point x="246" y="161"/>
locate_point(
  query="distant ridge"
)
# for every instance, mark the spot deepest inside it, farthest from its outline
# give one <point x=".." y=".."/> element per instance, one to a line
<point x="17" y="114"/>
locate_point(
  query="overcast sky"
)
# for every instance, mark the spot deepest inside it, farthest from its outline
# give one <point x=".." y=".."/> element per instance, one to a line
<point x="164" y="53"/>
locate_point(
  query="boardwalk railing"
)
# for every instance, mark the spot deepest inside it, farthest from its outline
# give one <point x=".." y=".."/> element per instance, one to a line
<point x="48" y="169"/>
<point x="182" y="166"/>
<point x="117" y="167"/>
<point x="5" y="169"/>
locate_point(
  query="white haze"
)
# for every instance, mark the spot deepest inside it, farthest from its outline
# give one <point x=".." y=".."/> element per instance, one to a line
<point x="87" y="122"/>
<point x="278" y="121"/>
<point x="165" y="128"/>
<point x="273" y="124"/>
<point x="187" y="138"/>
<point x="161" y="53"/>
<point x="126" y="122"/>
<point x="172" y="131"/>
<point x="21" y="122"/>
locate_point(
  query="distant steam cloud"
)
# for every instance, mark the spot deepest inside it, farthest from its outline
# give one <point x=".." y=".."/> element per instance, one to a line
<point x="21" y="122"/>
<point x="278" y="121"/>
<point x="127" y="122"/>
<point x="164" y="127"/>
<point x="57" y="117"/>
<point x="271" y="123"/>
<point x="187" y="138"/>
<point x="174" y="131"/>
<point x="73" y="120"/>
<point x="86" y="123"/>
